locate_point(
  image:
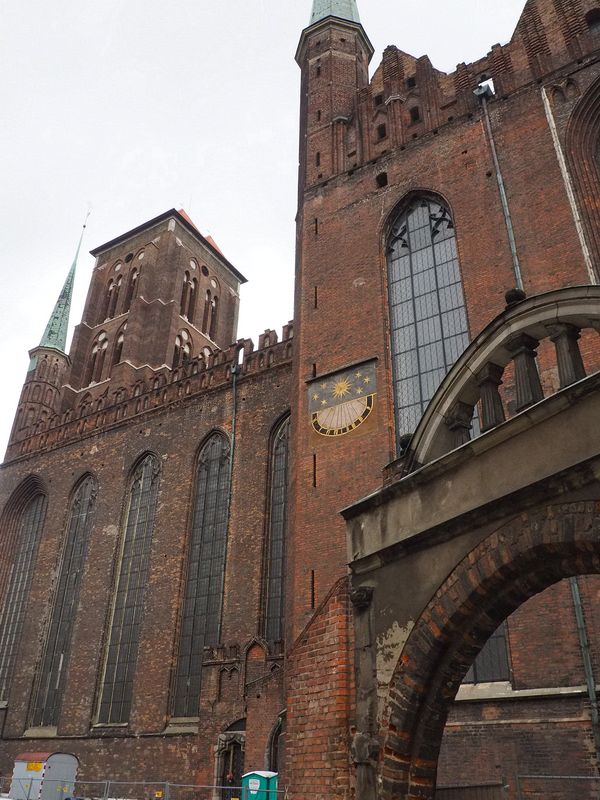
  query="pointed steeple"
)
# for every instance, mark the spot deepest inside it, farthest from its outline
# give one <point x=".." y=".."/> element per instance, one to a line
<point x="55" y="335"/>
<point x="343" y="9"/>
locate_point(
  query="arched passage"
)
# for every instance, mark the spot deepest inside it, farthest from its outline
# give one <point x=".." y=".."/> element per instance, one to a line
<point x="524" y="556"/>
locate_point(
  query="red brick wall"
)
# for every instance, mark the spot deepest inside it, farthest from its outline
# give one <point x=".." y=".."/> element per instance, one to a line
<point x="320" y="702"/>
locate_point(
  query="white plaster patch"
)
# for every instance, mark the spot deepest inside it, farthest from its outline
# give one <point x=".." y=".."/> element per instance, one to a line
<point x="358" y="282"/>
<point x="389" y="647"/>
<point x="93" y="450"/>
<point x="171" y="225"/>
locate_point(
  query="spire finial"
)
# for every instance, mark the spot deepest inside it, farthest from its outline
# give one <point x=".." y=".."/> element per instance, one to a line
<point x="55" y="334"/>
<point x="344" y="9"/>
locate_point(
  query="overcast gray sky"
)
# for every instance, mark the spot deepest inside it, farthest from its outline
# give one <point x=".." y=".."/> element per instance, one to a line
<point x="136" y="106"/>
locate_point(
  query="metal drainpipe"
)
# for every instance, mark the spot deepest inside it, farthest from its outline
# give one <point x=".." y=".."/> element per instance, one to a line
<point x="587" y="662"/>
<point x="483" y="92"/>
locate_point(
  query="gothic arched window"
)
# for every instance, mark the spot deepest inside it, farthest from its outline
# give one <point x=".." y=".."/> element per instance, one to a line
<point x="427" y="308"/>
<point x="201" y="616"/>
<point x="22" y="530"/>
<point x="207" y="310"/>
<point x="51" y="682"/>
<point x="183" y="305"/>
<point x="214" y="316"/>
<point x="131" y="288"/>
<point x="276" y="539"/>
<point x="183" y="349"/>
<point x="96" y="362"/>
<point x="118" y="351"/>
<point x="114" y="289"/>
<point x="134" y="561"/>
<point x="191" y="307"/>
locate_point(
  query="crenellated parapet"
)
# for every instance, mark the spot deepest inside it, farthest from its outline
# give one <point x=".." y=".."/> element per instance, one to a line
<point x="107" y="404"/>
<point x="408" y="98"/>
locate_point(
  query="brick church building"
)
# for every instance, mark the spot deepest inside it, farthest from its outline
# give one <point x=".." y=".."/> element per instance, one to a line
<point x="175" y="599"/>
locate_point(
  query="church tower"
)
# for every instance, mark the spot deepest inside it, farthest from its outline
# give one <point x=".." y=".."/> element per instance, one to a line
<point x="334" y="55"/>
<point x="341" y="438"/>
<point x="48" y="367"/>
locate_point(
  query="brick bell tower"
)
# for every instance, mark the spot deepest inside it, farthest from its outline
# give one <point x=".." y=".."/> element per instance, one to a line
<point x="341" y="436"/>
<point x="160" y="295"/>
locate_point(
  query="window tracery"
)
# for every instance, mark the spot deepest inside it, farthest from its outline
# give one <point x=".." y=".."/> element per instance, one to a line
<point x="25" y="531"/>
<point x="276" y="540"/>
<point x="46" y="706"/>
<point x="96" y="361"/>
<point x="201" y="616"/>
<point x="428" y="318"/>
<point x="182" y="352"/>
<point x="124" y="630"/>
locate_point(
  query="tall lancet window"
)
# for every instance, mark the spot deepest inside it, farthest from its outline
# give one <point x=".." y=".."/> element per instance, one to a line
<point x="51" y="681"/>
<point x="427" y="308"/>
<point x="201" y="617"/>
<point x="128" y="601"/>
<point x="23" y="531"/>
<point x="276" y="540"/>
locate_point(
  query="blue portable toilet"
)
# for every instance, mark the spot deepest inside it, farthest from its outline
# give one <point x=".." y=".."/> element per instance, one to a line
<point x="259" y="785"/>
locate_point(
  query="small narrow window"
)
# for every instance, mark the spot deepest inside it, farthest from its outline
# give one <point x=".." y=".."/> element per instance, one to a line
<point x="183" y="303"/>
<point x="118" y="351"/>
<point x="96" y="360"/>
<point x="207" y="308"/>
<point x="411" y="82"/>
<point x="318" y="70"/>
<point x="415" y="114"/>
<point x="182" y="352"/>
<point x="114" y="297"/>
<point x="318" y="116"/>
<point x="214" y="318"/>
<point x="378" y="100"/>
<point x="381" y="131"/>
<point x="382" y="180"/>
<point x="131" y="289"/>
<point x="192" y="300"/>
<point x="316" y="226"/>
<point x="318" y="159"/>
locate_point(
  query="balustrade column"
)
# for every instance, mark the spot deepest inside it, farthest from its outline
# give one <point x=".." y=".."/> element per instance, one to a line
<point x="568" y="355"/>
<point x="527" y="380"/>
<point x="492" y="410"/>
<point x="459" y="421"/>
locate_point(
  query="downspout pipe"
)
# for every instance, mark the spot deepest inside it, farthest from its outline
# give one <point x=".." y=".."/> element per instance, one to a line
<point x="484" y="92"/>
<point x="587" y="661"/>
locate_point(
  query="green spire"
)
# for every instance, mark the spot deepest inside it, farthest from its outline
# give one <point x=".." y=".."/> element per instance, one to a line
<point x="55" y="335"/>
<point x="344" y="9"/>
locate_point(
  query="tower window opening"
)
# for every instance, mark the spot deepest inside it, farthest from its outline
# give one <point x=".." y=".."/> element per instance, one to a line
<point x="96" y="361"/>
<point x="131" y="289"/>
<point x="214" y="314"/>
<point x="318" y="159"/>
<point x="182" y="352"/>
<point x="592" y="19"/>
<point x="381" y="131"/>
<point x="318" y="116"/>
<point x="318" y="70"/>
<point x="415" y="114"/>
<point x="411" y="82"/>
<point x="378" y="100"/>
<point x="382" y="180"/>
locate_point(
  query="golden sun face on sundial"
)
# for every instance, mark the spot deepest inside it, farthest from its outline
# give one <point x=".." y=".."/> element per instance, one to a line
<point x="342" y="402"/>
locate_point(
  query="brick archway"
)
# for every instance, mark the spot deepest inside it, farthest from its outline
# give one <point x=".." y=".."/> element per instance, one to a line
<point x="523" y="557"/>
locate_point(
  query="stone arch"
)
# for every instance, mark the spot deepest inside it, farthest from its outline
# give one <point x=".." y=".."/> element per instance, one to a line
<point x="526" y="555"/>
<point x="582" y="148"/>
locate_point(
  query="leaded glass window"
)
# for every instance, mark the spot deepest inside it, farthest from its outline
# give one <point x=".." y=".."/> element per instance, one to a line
<point x="128" y="603"/>
<point x="201" y="617"/>
<point x="275" y="566"/>
<point x="427" y="308"/>
<point x="46" y="708"/>
<point x="28" y="528"/>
